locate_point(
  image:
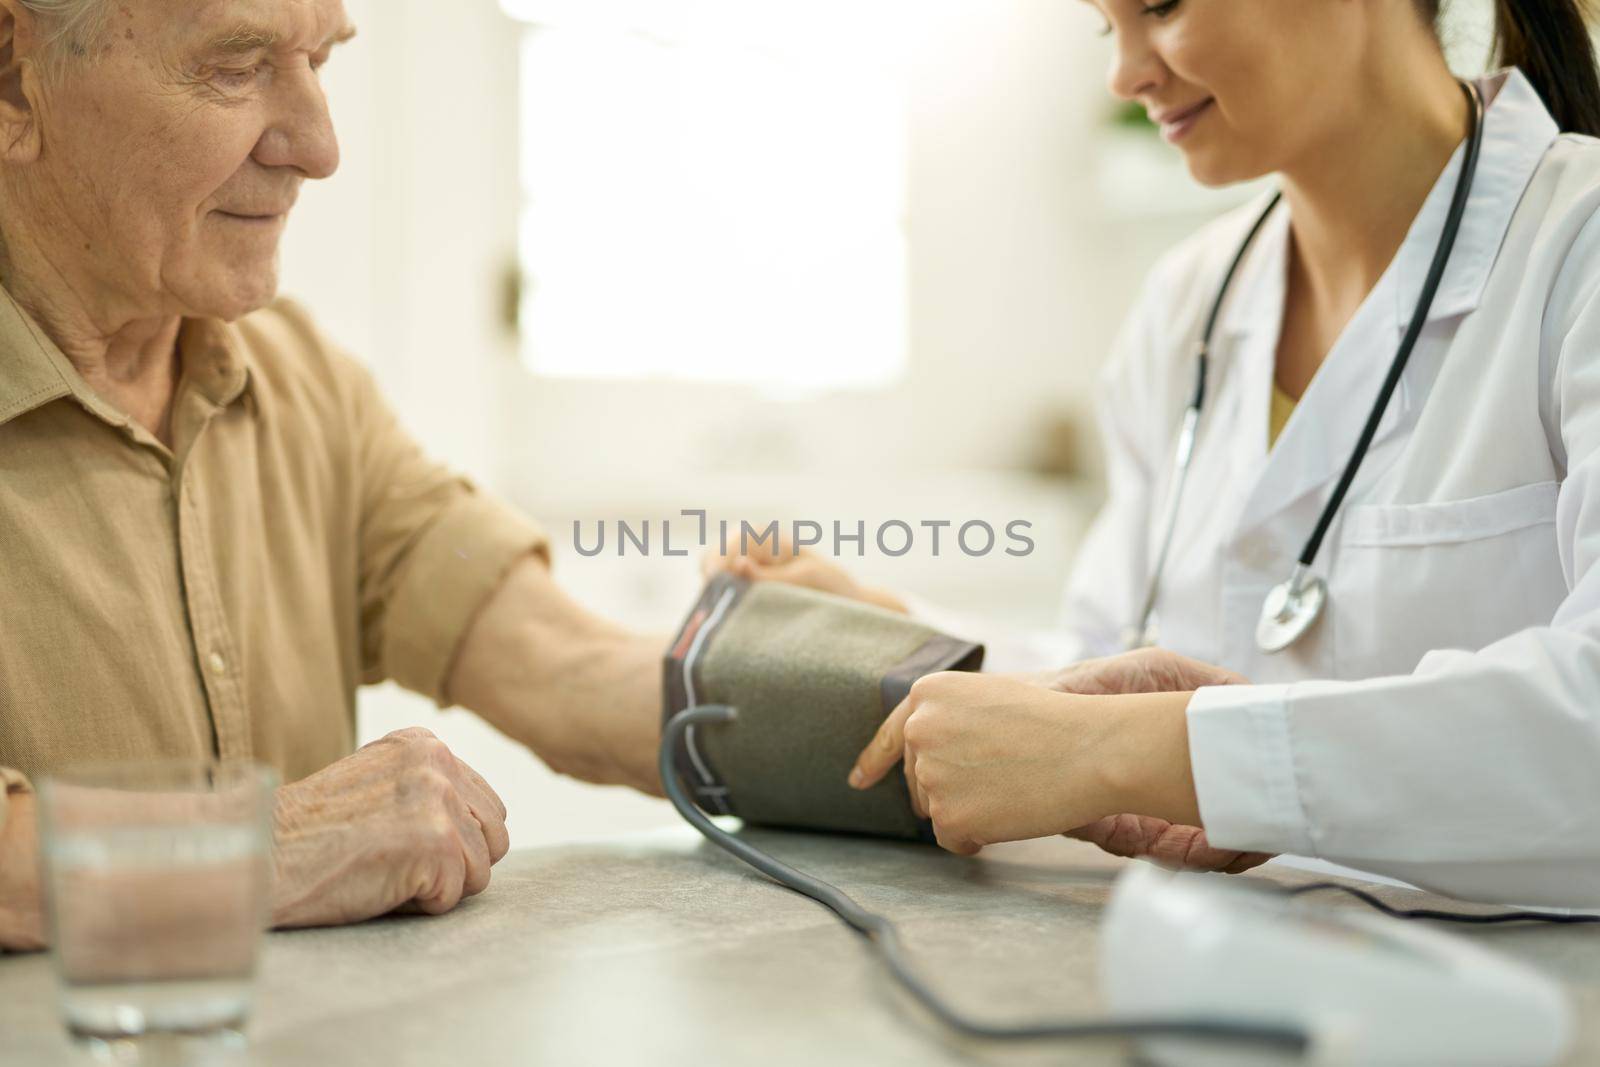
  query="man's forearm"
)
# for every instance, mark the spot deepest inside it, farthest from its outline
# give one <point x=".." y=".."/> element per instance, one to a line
<point x="582" y="692"/>
<point x="21" y="906"/>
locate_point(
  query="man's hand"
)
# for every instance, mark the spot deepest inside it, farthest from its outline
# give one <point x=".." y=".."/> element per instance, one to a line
<point x="1153" y="670"/>
<point x="21" y="904"/>
<point x="401" y="823"/>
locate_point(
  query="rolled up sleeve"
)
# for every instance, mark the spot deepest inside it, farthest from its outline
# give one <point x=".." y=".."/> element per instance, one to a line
<point x="457" y="562"/>
<point x="433" y="547"/>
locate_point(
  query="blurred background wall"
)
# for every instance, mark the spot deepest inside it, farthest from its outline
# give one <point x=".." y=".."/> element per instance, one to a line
<point x="832" y="261"/>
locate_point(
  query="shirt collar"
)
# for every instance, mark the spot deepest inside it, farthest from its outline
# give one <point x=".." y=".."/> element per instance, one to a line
<point x="35" y="372"/>
<point x="215" y="360"/>
<point x="1517" y="132"/>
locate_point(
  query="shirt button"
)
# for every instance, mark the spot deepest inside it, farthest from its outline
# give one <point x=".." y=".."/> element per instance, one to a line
<point x="217" y="664"/>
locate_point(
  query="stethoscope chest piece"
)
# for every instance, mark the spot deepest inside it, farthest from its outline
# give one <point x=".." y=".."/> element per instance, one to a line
<point x="1290" y="610"/>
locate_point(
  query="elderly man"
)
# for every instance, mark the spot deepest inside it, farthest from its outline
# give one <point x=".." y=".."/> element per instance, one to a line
<point x="212" y="529"/>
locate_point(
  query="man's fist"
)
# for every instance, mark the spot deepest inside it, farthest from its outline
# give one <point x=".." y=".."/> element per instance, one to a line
<point x="402" y="823"/>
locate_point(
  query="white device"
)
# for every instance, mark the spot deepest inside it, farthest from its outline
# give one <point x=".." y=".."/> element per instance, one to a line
<point x="1366" y="988"/>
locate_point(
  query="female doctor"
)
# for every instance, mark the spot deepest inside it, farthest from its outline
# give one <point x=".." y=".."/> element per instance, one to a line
<point x="1387" y="514"/>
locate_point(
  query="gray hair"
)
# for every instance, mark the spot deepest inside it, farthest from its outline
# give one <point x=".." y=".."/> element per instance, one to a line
<point x="70" y="26"/>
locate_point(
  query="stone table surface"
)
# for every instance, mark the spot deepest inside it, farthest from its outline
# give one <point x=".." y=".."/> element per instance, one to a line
<point x="660" y="950"/>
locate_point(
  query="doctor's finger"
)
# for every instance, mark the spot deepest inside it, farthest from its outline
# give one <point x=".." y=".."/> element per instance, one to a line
<point x="713" y="563"/>
<point x="951" y="841"/>
<point x="747" y="539"/>
<point x="884" y="752"/>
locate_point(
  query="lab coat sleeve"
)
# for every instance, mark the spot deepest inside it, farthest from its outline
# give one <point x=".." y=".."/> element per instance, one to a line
<point x="1477" y="775"/>
<point x="1107" y="579"/>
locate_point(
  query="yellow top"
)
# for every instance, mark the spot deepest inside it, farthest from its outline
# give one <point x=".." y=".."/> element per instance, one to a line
<point x="1283" y="406"/>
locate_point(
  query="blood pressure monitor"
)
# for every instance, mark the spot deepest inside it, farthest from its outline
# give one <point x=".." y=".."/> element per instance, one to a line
<point x="813" y="677"/>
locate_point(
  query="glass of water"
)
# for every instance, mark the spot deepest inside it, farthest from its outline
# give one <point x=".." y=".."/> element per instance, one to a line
<point x="157" y="882"/>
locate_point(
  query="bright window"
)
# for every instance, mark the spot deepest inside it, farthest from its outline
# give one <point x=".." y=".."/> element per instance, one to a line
<point x="714" y="190"/>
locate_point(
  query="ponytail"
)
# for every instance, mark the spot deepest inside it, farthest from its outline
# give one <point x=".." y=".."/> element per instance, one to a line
<point x="1548" y="40"/>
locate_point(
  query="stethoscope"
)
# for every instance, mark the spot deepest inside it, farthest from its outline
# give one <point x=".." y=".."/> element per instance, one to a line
<point x="1293" y="607"/>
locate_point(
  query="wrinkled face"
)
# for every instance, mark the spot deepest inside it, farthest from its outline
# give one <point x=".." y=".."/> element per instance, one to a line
<point x="1232" y="83"/>
<point x="171" y="158"/>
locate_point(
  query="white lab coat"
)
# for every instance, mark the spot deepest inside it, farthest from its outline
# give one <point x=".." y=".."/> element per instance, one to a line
<point x="1441" y="723"/>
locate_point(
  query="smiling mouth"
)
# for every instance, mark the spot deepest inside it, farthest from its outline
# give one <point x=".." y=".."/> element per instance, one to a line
<point x="1175" y="125"/>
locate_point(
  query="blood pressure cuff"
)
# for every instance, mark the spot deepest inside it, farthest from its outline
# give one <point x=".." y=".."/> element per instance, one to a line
<point x="812" y="677"/>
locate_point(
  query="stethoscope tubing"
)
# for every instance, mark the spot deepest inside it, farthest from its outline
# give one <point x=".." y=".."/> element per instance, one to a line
<point x="1430" y="289"/>
<point x="1189" y="430"/>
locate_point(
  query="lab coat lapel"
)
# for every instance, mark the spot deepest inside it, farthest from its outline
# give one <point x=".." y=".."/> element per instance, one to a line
<point x="1517" y="133"/>
<point x="1317" y="444"/>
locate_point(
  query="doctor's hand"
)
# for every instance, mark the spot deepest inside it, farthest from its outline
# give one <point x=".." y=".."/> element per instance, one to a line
<point x="1153" y="670"/>
<point x="774" y="561"/>
<point x="1146" y="670"/>
<point x="990" y="758"/>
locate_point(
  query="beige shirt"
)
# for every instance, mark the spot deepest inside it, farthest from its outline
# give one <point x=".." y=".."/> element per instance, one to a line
<point x="227" y="596"/>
